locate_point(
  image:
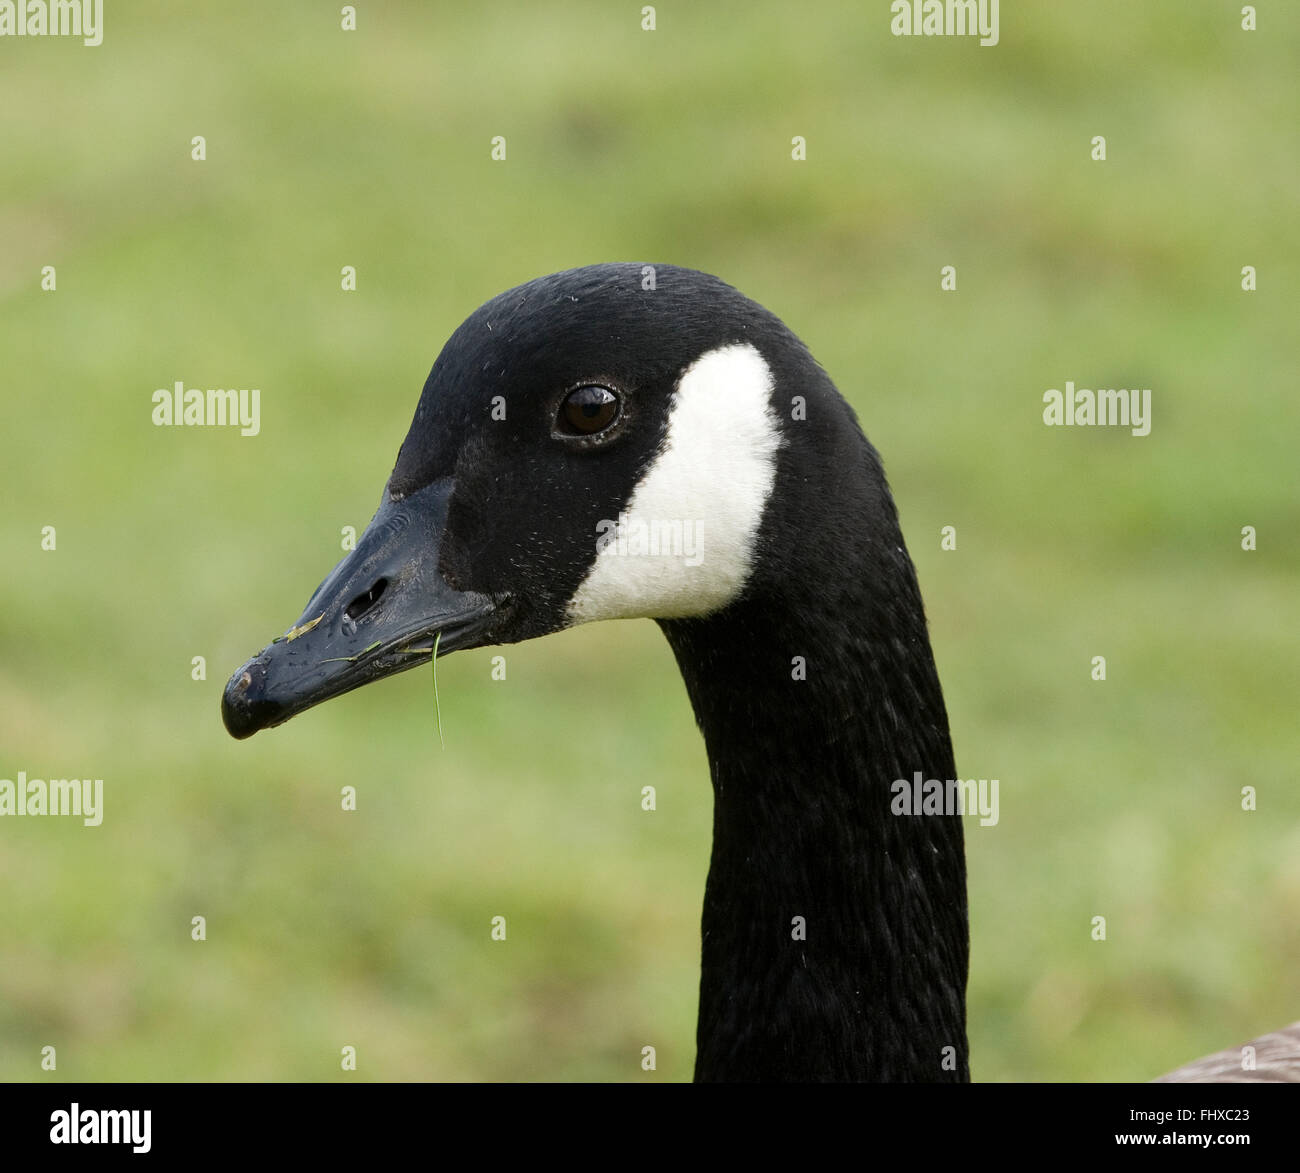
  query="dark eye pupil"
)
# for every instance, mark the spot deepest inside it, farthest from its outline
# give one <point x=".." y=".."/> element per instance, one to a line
<point x="588" y="410"/>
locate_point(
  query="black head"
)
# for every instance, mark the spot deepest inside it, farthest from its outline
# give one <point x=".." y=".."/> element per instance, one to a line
<point x="598" y="443"/>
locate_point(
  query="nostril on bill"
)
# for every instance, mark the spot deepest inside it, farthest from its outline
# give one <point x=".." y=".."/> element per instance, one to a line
<point x="363" y="602"/>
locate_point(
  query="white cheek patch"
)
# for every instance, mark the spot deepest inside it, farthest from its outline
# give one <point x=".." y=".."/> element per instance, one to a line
<point x="684" y="544"/>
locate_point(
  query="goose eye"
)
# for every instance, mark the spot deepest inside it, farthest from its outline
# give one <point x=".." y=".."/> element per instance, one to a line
<point x="588" y="410"/>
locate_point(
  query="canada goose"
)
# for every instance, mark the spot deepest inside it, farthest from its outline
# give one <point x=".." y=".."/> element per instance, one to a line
<point x="626" y="441"/>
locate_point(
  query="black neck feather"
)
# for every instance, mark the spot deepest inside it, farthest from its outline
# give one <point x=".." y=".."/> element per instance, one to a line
<point x="802" y="772"/>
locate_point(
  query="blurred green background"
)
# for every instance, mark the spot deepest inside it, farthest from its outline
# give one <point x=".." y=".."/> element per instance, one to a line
<point x="372" y="148"/>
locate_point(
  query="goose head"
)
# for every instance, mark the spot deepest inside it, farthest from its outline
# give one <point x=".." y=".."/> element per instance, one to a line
<point x="594" y="444"/>
<point x="618" y="442"/>
<point x="601" y="445"/>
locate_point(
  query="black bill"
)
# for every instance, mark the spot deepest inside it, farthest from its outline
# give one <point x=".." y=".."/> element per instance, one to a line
<point x="379" y="612"/>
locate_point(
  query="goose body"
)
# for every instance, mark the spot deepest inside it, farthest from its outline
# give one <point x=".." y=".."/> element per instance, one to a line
<point x="1271" y="1058"/>
<point x="596" y="445"/>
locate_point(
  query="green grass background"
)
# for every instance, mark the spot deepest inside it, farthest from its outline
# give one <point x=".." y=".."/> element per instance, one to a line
<point x="371" y="148"/>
